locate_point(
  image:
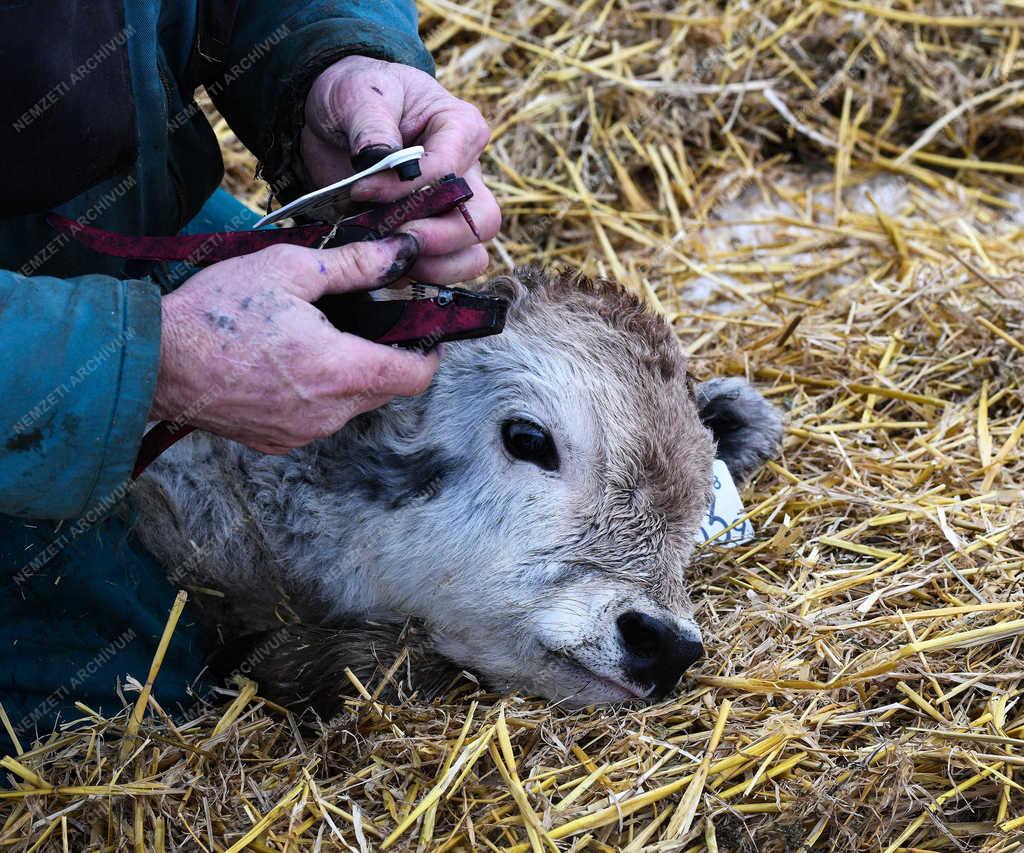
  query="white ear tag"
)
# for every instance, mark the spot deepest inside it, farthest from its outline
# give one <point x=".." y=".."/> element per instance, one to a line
<point x="327" y="201"/>
<point x="726" y="508"/>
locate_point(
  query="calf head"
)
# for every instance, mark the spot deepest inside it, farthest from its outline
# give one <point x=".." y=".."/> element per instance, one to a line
<point x="536" y="508"/>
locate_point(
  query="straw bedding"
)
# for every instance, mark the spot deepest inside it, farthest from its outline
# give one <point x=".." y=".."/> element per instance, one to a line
<point x="822" y="197"/>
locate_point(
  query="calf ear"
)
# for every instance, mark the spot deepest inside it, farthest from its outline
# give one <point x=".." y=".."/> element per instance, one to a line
<point x="747" y="428"/>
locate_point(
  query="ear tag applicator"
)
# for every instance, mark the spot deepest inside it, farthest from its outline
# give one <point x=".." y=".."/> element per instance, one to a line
<point x="725" y="510"/>
<point x="416" y="317"/>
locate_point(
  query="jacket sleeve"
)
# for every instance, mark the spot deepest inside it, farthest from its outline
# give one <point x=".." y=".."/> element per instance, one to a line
<point x="80" y="359"/>
<point x="278" y="49"/>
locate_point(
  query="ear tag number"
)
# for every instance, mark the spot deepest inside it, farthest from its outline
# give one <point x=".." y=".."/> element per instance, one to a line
<point x="726" y="508"/>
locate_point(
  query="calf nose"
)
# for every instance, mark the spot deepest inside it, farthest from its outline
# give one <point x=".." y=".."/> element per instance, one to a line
<point x="654" y="652"/>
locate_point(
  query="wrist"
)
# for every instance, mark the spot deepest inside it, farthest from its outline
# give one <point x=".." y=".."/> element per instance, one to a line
<point x="167" y="403"/>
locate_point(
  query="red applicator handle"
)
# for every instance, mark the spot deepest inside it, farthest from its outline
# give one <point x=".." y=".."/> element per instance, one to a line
<point x="378" y="221"/>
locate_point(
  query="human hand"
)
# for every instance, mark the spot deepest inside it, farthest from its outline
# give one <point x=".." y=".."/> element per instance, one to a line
<point x="361" y="106"/>
<point x="245" y="354"/>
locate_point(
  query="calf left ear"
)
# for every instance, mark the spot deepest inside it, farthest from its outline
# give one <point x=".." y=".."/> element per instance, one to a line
<point x="747" y="428"/>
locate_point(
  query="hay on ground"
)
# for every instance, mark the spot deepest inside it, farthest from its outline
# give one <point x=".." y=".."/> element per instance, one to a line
<point x="823" y="197"/>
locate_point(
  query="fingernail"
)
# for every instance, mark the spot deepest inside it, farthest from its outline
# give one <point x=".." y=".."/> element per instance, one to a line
<point x="370" y="155"/>
<point x="439" y="349"/>
<point x="407" y="250"/>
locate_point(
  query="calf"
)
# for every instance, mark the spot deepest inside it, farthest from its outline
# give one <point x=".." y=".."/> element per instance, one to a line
<point x="533" y="512"/>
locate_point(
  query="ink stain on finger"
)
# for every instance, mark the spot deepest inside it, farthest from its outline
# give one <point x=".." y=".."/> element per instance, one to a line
<point x="245" y="303"/>
<point x="405" y="257"/>
<point x="323" y="268"/>
<point x="378" y="91"/>
<point x="370" y="155"/>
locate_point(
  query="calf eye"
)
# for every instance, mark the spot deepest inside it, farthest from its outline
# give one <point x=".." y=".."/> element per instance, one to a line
<point x="532" y="443"/>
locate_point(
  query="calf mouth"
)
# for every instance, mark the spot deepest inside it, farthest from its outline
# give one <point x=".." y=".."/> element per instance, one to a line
<point x="618" y="687"/>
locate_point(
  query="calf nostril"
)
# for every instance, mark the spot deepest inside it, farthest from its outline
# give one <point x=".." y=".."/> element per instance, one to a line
<point x="690" y="651"/>
<point x="641" y="634"/>
<point x="656" y="653"/>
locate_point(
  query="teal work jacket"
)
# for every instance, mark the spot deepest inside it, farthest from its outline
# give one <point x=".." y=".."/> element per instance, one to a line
<point x="80" y="332"/>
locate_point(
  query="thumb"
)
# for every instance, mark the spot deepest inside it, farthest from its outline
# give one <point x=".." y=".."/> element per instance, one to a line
<point x="366" y="109"/>
<point x="366" y="265"/>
